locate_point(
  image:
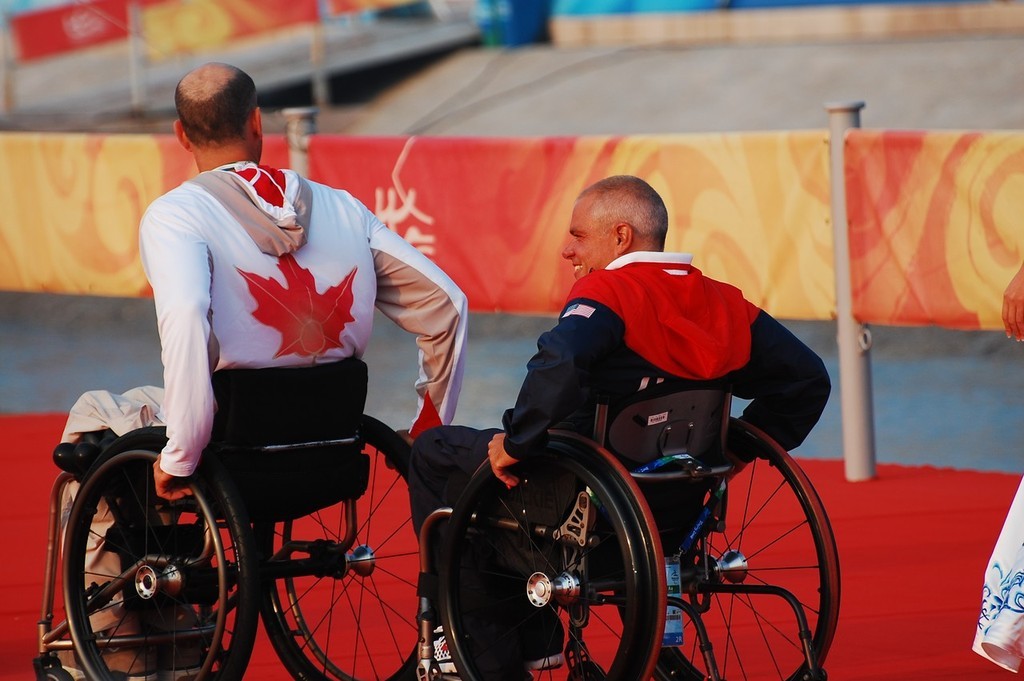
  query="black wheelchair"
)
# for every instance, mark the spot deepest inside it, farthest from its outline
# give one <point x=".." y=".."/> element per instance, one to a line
<point x="680" y="543"/>
<point x="298" y="515"/>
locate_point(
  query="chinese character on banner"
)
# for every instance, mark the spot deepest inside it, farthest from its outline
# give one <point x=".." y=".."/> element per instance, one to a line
<point x="395" y="206"/>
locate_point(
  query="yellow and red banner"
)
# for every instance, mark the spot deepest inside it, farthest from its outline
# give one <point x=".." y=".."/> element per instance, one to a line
<point x="187" y="26"/>
<point x="494" y="213"/>
<point x="169" y="27"/>
<point x="934" y="225"/>
<point x="72" y="205"/>
<point x="933" y="217"/>
<point x="353" y="6"/>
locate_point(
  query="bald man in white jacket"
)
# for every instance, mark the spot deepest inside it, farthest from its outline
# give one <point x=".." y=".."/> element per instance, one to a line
<point x="255" y="267"/>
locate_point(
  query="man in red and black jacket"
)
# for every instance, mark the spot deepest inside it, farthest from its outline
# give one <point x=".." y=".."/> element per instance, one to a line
<point x="636" y="317"/>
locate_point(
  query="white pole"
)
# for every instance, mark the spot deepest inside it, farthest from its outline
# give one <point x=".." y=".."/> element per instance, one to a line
<point x="853" y="338"/>
<point x="7" y="66"/>
<point x="300" y="123"/>
<point x="135" y="57"/>
<point x="317" y="57"/>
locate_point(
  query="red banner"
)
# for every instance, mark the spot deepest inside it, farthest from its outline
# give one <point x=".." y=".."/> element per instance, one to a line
<point x="480" y="209"/>
<point x="56" y="30"/>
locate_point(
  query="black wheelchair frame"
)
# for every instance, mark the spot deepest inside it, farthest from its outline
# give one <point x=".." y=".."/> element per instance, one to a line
<point x="577" y="540"/>
<point x="182" y="585"/>
<point x="758" y="587"/>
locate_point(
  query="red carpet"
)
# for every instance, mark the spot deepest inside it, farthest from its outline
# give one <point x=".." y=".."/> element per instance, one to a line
<point x="913" y="545"/>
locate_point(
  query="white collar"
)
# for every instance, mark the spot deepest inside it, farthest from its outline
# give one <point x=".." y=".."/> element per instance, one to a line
<point x="652" y="257"/>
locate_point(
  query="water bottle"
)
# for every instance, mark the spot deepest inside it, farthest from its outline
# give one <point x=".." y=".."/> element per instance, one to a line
<point x="674" y="616"/>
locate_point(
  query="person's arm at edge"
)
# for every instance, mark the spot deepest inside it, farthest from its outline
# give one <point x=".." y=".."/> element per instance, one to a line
<point x="420" y="298"/>
<point x="177" y="267"/>
<point x="1013" y="306"/>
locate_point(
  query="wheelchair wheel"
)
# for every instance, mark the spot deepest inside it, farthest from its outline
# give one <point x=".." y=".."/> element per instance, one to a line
<point x="565" y="560"/>
<point x="358" y="621"/>
<point x="173" y="586"/>
<point x="776" y="522"/>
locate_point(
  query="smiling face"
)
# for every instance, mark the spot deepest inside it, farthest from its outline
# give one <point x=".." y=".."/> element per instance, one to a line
<point x="595" y="237"/>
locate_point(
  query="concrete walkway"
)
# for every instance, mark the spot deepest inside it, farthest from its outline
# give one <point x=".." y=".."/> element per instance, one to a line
<point x="968" y="82"/>
<point x="962" y="83"/>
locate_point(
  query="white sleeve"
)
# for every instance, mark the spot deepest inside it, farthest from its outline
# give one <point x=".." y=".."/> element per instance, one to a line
<point x="418" y="296"/>
<point x="177" y="264"/>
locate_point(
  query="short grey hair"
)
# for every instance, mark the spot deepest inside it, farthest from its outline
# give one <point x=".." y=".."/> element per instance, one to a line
<point x="626" y="198"/>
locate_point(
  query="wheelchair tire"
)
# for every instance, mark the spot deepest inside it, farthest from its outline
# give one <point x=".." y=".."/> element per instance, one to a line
<point x="776" y="520"/>
<point x="505" y="575"/>
<point x="359" y="624"/>
<point x="189" y="601"/>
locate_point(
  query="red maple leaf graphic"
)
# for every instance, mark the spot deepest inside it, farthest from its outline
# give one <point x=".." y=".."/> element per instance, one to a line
<point x="310" y="323"/>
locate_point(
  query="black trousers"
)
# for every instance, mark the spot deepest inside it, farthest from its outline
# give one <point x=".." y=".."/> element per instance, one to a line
<point x="443" y="458"/>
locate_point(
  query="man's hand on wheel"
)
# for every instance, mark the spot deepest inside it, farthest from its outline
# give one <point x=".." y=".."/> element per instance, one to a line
<point x="168" y="486"/>
<point x="501" y="462"/>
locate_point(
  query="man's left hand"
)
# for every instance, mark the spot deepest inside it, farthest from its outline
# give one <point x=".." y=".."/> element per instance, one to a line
<point x="169" y="486"/>
<point x="501" y="462"/>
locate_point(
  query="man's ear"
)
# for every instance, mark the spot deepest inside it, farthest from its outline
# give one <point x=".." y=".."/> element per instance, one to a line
<point x="183" y="140"/>
<point x="623" y="237"/>
<point x="256" y="122"/>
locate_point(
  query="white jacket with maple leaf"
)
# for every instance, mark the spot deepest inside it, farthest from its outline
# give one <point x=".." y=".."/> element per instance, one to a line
<point x="223" y="303"/>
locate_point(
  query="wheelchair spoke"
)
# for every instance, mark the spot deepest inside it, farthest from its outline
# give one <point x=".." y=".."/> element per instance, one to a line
<point x="779" y="634"/>
<point x="776" y="536"/>
<point x="374" y="504"/>
<point x="397" y="576"/>
<point x="730" y="642"/>
<point x="394" y="618"/>
<point x="809" y="607"/>
<point x="375" y="633"/>
<point x="733" y="651"/>
<point x="538" y="553"/>
<point x="167" y="575"/>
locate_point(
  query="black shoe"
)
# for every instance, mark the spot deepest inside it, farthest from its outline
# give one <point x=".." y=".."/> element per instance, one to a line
<point x="542" y="638"/>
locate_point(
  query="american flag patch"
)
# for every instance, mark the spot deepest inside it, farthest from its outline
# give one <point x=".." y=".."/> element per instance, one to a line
<point x="579" y="309"/>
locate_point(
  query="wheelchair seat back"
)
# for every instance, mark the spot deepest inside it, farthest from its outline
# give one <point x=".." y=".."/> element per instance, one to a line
<point x="667" y="420"/>
<point x="290" y="436"/>
<point x="670" y="419"/>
